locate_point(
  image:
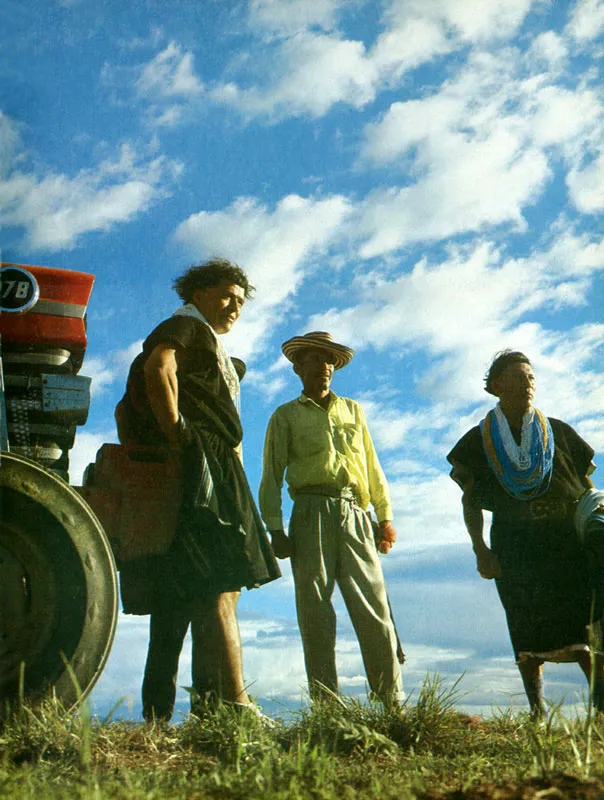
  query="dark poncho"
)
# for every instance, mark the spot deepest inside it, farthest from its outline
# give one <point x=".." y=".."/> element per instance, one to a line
<point x="220" y="543"/>
<point x="544" y="586"/>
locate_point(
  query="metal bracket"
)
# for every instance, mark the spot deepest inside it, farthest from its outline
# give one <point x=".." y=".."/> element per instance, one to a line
<point x="4" y="445"/>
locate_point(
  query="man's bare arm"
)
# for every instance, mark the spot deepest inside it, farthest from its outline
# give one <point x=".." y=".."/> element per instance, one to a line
<point x="161" y="381"/>
<point x="487" y="562"/>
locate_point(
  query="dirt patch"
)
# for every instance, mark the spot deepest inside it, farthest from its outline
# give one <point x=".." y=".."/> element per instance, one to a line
<point x="560" y="787"/>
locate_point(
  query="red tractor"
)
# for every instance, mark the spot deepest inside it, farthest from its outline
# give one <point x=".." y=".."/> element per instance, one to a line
<point x="58" y="580"/>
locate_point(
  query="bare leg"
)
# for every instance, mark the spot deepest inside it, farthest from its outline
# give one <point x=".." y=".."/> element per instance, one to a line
<point x="167" y="632"/>
<point x="531" y="671"/>
<point x="597" y="690"/>
<point x="217" y="648"/>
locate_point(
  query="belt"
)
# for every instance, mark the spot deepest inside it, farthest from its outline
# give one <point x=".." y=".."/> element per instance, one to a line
<point x="345" y="493"/>
<point x="539" y="509"/>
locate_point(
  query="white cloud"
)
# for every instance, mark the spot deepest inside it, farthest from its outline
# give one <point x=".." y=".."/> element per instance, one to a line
<point x="408" y="124"/>
<point x="404" y="47"/>
<point x="592" y="430"/>
<point x="113" y="366"/>
<point x="471" y="102"/>
<point x="479" y="151"/>
<point x="166" y="85"/>
<point x="392" y="428"/>
<point x="84" y="452"/>
<point x="470" y="186"/>
<point x="169" y="74"/>
<point x="417" y="32"/>
<point x="427" y="513"/>
<point x="320" y="69"/>
<point x="290" y="16"/>
<point x="461" y="19"/>
<point x="571" y="256"/>
<point x="443" y="646"/>
<point x="564" y="117"/>
<point x="271" y="245"/>
<point x="570" y="380"/>
<point x="586" y="21"/>
<point x="167" y="117"/>
<point x="548" y="49"/>
<point x="56" y="210"/>
<point x="122" y="359"/>
<point x="9" y="144"/>
<point x="101" y="373"/>
<point x="315" y="71"/>
<point x="436" y="301"/>
<point x="460" y="312"/>
<point x="586" y="186"/>
<point x="270" y="387"/>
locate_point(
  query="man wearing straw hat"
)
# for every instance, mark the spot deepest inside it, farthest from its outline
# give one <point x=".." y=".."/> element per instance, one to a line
<point x="321" y="444"/>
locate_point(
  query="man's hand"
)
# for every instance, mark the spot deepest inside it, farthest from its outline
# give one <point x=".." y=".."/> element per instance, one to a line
<point x="487" y="563"/>
<point x="386" y="536"/>
<point x="282" y="547"/>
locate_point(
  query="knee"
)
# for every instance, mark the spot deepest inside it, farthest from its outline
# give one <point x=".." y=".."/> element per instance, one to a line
<point x="226" y="605"/>
<point x="531" y="668"/>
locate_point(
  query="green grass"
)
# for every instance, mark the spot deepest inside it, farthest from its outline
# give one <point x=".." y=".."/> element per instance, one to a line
<point x="338" y="749"/>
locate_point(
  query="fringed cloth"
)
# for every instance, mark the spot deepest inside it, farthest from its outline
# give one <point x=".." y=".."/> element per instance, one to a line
<point x="590" y="509"/>
<point x="224" y="361"/>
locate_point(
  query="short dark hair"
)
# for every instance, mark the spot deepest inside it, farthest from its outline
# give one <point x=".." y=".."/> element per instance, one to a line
<point x="211" y="273"/>
<point x="502" y="360"/>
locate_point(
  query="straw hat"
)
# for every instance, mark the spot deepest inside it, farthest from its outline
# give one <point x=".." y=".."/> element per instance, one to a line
<point x="321" y="341"/>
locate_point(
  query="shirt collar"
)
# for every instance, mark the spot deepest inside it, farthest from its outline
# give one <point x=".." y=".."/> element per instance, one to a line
<point x="306" y="399"/>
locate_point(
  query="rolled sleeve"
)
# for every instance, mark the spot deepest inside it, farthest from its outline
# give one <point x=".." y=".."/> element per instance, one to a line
<point x="274" y="462"/>
<point x="378" y="486"/>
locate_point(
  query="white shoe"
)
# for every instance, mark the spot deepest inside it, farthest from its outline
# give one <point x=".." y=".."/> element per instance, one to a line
<point x="255" y="710"/>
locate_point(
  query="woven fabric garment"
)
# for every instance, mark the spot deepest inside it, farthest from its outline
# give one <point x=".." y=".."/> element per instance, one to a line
<point x="545" y="585"/>
<point x="220" y="543"/>
<point x="224" y="362"/>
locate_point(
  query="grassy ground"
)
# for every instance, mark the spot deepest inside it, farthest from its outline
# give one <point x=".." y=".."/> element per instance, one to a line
<point x="341" y="749"/>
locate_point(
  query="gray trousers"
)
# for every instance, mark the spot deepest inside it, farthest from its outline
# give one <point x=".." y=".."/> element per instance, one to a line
<point x="332" y="542"/>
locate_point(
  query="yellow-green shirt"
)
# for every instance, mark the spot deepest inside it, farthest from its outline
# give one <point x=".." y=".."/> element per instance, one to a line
<point x="312" y="446"/>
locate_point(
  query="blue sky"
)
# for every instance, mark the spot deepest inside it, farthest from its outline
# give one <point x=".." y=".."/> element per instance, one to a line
<point x="422" y="178"/>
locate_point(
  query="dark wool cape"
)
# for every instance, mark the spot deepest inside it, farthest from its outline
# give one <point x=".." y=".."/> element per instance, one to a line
<point x="220" y="543"/>
<point x="544" y="586"/>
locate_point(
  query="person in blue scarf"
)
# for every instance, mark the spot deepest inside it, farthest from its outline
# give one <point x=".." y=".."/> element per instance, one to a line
<point x="530" y="471"/>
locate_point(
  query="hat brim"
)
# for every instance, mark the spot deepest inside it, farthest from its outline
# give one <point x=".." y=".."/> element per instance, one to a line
<point x="341" y="354"/>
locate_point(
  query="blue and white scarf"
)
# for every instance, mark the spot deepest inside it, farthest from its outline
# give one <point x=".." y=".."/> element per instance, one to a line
<point x="524" y="470"/>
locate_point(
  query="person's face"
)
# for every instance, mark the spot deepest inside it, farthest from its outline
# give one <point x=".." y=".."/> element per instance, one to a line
<point x="515" y="387"/>
<point x="220" y="305"/>
<point x="315" y="368"/>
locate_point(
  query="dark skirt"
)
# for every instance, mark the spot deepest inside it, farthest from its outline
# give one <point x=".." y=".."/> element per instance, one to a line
<point x="220" y="545"/>
<point x="544" y="587"/>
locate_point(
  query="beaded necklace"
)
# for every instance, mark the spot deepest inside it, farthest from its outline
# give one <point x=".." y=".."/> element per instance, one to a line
<point x="525" y="470"/>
